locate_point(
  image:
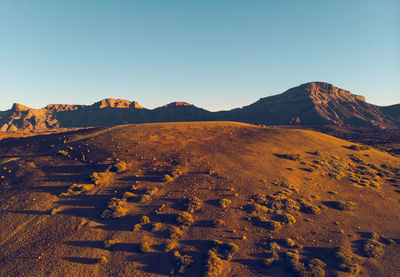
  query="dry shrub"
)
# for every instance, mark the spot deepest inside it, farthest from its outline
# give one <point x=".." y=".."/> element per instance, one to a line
<point x="258" y="209"/>
<point x="137" y="227"/>
<point x="128" y="194"/>
<point x="268" y="224"/>
<point x="293" y="157"/>
<point x="109" y="243"/>
<point x="169" y="245"/>
<point x="293" y="260"/>
<point x="194" y="204"/>
<point x="310" y="208"/>
<point x="167" y="178"/>
<point x="373" y="248"/>
<point x="181" y="262"/>
<point x="218" y="223"/>
<point x="271" y="260"/>
<point x="144" y="246"/>
<point x="223" y="203"/>
<point x="54" y="211"/>
<point x="76" y="189"/>
<point x="155" y="227"/>
<point x="144" y="220"/>
<point x="176" y="173"/>
<point x="62" y="153"/>
<point x="115" y="208"/>
<point x="145" y="198"/>
<point x="224" y="250"/>
<point x="285" y="218"/>
<point x="316" y="268"/>
<point x="103" y="260"/>
<point x="347" y="263"/>
<point x="120" y="166"/>
<point x="102" y="178"/>
<point x="340" y="205"/>
<point x="185" y="218"/>
<point x="214" y="265"/>
<point x="356" y="147"/>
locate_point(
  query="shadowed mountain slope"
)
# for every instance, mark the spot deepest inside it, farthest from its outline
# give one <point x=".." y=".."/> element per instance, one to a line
<point x="314" y="104"/>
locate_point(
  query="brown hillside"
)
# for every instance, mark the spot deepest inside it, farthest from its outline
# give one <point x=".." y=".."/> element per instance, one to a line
<point x="265" y="201"/>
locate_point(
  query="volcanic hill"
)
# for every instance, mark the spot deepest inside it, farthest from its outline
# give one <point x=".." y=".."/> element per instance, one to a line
<point x="198" y="199"/>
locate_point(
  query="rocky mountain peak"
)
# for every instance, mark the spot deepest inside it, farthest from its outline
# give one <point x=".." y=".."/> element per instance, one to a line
<point x="16" y="107"/>
<point x="323" y="91"/>
<point x="61" y="107"/>
<point x="136" y="105"/>
<point x="117" y="103"/>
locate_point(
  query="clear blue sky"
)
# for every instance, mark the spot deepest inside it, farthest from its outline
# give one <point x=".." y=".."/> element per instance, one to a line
<point x="214" y="54"/>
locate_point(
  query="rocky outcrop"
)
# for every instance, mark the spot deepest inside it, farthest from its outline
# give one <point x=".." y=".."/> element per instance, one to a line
<point x="117" y="104"/>
<point x="311" y="104"/>
<point x="19" y="107"/>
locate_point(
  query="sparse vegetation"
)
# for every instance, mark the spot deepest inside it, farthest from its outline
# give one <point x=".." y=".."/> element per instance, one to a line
<point x="115" y="208"/>
<point x="373" y="248"/>
<point x="176" y="173"/>
<point x="137" y="227"/>
<point x="157" y="226"/>
<point x="340" y="205"/>
<point x="175" y="232"/>
<point x="309" y="208"/>
<point x="181" y="262"/>
<point x="145" y="198"/>
<point x="167" y="178"/>
<point x="357" y="147"/>
<point x="144" y="220"/>
<point x="285" y="218"/>
<point x="293" y="157"/>
<point x="289" y="242"/>
<point x="54" y="211"/>
<point x="144" y="246"/>
<point x="185" y="218"/>
<point x="316" y="268"/>
<point x="109" y="243"/>
<point x="103" y="260"/>
<point x="218" y="223"/>
<point x="271" y="193"/>
<point x="128" y="194"/>
<point x="272" y="225"/>
<point x="347" y="263"/>
<point x="271" y="260"/>
<point x="223" y="203"/>
<point x="293" y="260"/>
<point x="214" y="265"/>
<point x="120" y="166"/>
<point x="194" y="204"/>
<point x="102" y="178"/>
<point x="169" y="245"/>
<point x="225" y="250"/>
<point x="62" y="153"/>
<point x="258" y="209"/>
<point x="76" y="189"/>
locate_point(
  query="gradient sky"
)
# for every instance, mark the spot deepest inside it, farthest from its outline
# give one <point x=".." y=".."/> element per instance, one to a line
<point x="214" y="54"/>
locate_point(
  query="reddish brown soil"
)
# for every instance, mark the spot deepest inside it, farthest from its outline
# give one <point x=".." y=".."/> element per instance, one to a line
<point x="218" y="160"/>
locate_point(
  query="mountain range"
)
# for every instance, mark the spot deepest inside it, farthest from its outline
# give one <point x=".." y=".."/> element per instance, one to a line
<point x="310" y="104"/>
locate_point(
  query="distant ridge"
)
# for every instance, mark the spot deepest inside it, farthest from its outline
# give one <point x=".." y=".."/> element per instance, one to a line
<point x="315" y="103"/>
